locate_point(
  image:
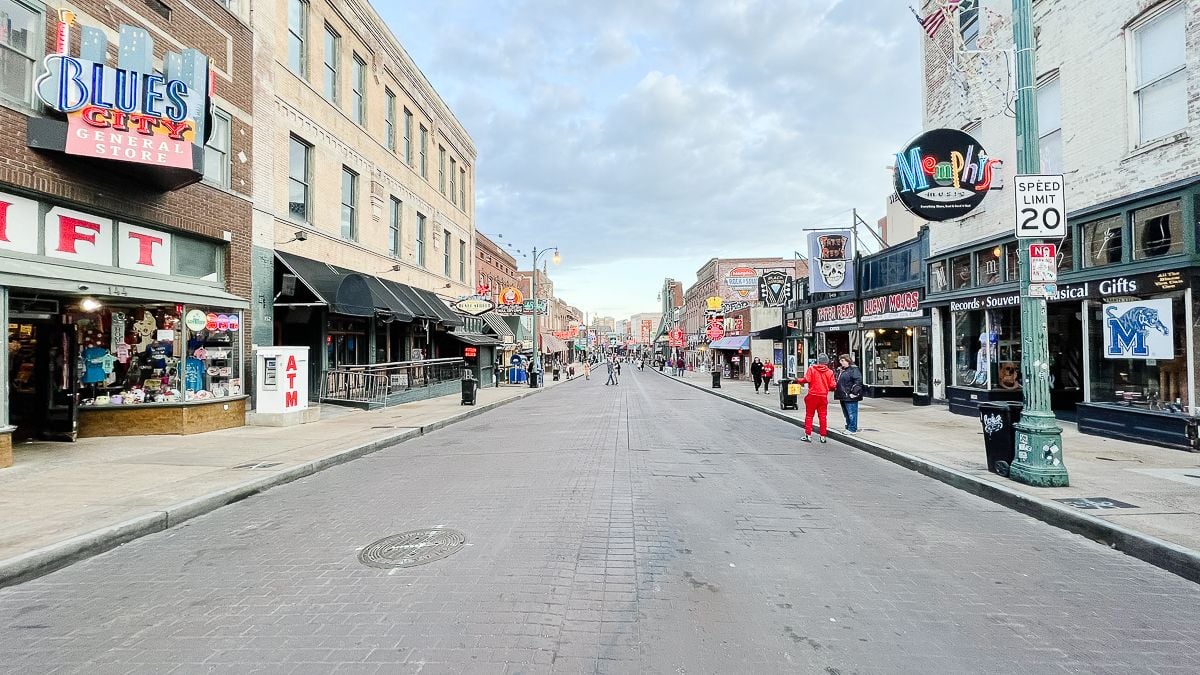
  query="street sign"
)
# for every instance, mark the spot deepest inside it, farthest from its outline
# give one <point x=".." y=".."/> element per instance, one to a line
<point x="1041" y="206"/>
<point x="1043" y="263"/>
<point x="1042" y="290"/>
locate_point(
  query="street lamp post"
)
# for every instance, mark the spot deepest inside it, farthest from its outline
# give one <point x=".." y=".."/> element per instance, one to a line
<point x="537" y="337"/>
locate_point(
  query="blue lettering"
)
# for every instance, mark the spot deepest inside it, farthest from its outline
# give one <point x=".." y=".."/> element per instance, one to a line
<point x="912" y="176"/>
<point x="98" y="71"/>
<point x="152" y="95"/>
<point x="126" y="97"/>
<point x="70" y="76"/>
<point x="1126" y="339"/>
<point x="177" y="108"/>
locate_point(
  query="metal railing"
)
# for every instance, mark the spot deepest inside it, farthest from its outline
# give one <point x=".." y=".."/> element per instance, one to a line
<point x="380" y="384"/>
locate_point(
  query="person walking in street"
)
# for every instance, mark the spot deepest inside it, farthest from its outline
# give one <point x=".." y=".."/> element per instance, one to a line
<point x="768" y="372"/>
<point x="849" y="391"/>
<point x="820" y="381"/>
<point x="612" y="373"/>
<point x="618" y="372"/>
<point x="756" y="370"/>
<point x="587" y="370"/>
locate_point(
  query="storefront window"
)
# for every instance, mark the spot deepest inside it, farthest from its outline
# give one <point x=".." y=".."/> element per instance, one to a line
<point x="128" y="355"/>
<point x="1012" y="258"/>
<point x="1102" y="242"/>
<point x="988" y="266"/>
<point x="888" y="361"/>
<point x="938" y="281"/>
<point x="214" y="354"/>
<point x="1143" y="383"/>
<point x="1005" y="337"/>
<point x="1066" y="251"/>
<point x="1158" y="230"/>
<point x="922" y="360"/>
<point x="960" y="271"/>
<point x="970" y="350"/>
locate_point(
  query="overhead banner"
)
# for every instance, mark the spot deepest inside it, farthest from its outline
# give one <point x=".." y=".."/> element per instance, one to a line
<point x="1142" y="329"/>
<point x="834" y="256"/>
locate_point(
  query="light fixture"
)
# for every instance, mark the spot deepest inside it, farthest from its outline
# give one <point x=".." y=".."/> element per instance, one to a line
<point x="90" y="304"/>
<point x="447" y="285"/>
<point x="298" y="235"/>
<point x="394" y="268"/>
<point x="557" y="258"/>
<point x="909" y="331"/>
<point x="996" y="251"/>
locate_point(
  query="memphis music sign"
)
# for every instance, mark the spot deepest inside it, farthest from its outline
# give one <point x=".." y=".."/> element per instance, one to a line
<point x="129" y="113"/>
<point x="944" y="174"/>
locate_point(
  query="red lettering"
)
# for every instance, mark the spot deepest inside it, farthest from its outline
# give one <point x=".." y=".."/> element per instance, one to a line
<point x="120" y="120"/>
<point x="145" y="124"/>
<point x="4" y="221"/>
<point x="146" y="244"/>
<point x="97" y="117"/>
<point x="291" y="399"/>
<point x="69" y="233"/>
<point x="176" y="130"/>
<point x="291" y="364"/>
<point x="291" y="380"/>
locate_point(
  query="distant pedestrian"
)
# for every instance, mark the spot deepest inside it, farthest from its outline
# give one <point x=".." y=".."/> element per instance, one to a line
<point x="820" y="381"/>
<point x="756" y="370"/>
<point x="612" y="373"/>
<point x="768" y="372"/>
<point x="849" y="391"/>
<point x="587" y="370"/>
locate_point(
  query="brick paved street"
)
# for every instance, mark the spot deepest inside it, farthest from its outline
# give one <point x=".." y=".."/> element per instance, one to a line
<point x="648" y="527"/>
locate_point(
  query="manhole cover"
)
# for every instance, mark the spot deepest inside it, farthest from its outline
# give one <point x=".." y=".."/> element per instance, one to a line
<point x="409" y="549"/>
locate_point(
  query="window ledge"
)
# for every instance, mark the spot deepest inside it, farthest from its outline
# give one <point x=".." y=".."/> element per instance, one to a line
<point x="1155" y="145"/>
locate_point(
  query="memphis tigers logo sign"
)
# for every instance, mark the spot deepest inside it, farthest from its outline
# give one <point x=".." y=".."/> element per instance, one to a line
<point x="1139" y="330"/>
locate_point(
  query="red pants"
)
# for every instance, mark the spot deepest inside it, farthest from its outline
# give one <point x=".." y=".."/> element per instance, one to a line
<point x="818" y="405"/>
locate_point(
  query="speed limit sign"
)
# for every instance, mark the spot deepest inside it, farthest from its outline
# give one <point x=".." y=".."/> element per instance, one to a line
<point x="1041" y="207"/>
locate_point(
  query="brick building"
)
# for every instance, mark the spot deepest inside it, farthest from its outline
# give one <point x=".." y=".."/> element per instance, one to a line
<point x="495" y="268"/>
<point x="126" y="251"/>
<point x="1116" y="118"/>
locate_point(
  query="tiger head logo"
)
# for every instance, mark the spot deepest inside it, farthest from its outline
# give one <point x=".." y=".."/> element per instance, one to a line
<point x="1129" y="330"/>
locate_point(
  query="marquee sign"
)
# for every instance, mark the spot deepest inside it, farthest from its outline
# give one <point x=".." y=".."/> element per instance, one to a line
<point x="473" y="306"/>
<point x="742" y="280"/>
<point x="906" y="305"/>
<point x="943" y="174"/>
<point x="132" y="113"/>
<point x="837" y="315"/>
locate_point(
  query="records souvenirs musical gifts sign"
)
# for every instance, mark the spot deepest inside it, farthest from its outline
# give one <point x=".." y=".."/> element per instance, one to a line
<point x="943" y="174"/>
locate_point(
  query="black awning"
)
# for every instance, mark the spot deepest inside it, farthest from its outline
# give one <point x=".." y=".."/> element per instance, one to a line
<point x="498" y="325"/>
<point x="388" y="302"/>
<point x="476" y="339"/>
<point x="342" y="290"/>
<point x="440" y="309"/>
<point x="420" y="308"/>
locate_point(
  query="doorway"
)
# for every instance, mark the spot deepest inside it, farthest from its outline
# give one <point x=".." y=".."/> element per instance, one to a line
<point x="43" y="384"/>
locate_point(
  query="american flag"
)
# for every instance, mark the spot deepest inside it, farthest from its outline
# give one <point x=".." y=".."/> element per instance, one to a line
<point x="937" y="18"/>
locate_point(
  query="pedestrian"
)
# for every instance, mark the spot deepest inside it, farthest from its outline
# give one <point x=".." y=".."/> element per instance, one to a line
<point x="768" y="372"/>
<point x="820" y="381"/>
<point x="849" y="391"/>
<point x="756" y="370"/>
<point x="618" y="372"/>
<point x="587" y="370"/>
<point x="612" y="373"/>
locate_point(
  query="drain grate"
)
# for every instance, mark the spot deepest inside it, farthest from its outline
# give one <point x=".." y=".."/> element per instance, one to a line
<point x="258" y="465"/>
<point x="409" y="549"/>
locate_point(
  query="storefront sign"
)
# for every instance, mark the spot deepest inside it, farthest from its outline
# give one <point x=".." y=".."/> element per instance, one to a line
<point x="1043" y="263"/>
<point x="1139" y="330"/>
<point x="906" y="305"/>
<point x="834" y="256"/>
<point x="195" y="320"/>
<point x="675" y="337"/>
<point x="473" y="306"/>
<point x="470" y="352"/>
<point x="509" y="296"/>
<point x="742" y="280"/>
<point x="1114" y="287"/>
<point x="774" y="288"/>
<point x="716" y="329"/>
<point x="130" y="113"/>
<point x="713" y="304"/>
<point x="836" y="315"/>
<point x="944" y="174"/>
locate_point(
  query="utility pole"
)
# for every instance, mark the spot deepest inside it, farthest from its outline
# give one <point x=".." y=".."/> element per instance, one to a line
<point x="1039" y="458"/>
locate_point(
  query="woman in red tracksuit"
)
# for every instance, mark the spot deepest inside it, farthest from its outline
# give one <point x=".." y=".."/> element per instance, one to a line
<point x="820" y="381"/>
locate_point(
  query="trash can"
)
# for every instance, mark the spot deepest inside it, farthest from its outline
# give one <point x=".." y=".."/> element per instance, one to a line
<point x="556" y="374"/>
<point x="716" y="379"/>
<point x="789" y="399"/>
<point x="999" y="437"/>
<point x="470" y="387"/>
<point x="535" y="379"/>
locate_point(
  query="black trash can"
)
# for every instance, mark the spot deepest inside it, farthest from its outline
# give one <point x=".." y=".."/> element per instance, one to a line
<point x="787" y="401"/>
<point x="716" y="379"/>
<point x="999" y="436"/>
<point x="535" y="379"/>
<point x="470" y="387"/>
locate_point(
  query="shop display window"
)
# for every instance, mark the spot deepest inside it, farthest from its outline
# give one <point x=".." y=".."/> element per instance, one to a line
<point x="1158" y="230"/>
<point x="1102" y="242"/>
<point x="970" y="353"/>
<point x="888" y="360"/>
<point x="1066" y="251"/>
<point x="987" y="349"/>
<point x="214" y="354"/>
<point x="1005" y="337"/>
<point x="1146" y="384"/>
<point x="960" y="271"/>
<point x="938" y="281"/>
<point x="1012" y="260"/>
<point x="988" y="266"/>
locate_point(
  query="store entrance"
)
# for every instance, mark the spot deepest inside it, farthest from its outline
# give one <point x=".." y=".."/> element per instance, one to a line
<point x="42" y="385"/>
<point x="1064" y="324"/>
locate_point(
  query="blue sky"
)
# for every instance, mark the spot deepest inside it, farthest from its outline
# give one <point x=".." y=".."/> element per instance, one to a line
<point x="644" y="137"/>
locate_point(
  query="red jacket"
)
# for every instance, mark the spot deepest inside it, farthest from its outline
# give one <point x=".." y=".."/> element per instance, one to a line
<point x="820" y="380"/>
<point x="768" y="370"/>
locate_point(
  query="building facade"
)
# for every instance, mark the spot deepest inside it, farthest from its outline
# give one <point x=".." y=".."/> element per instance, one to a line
<point x="1114" y="117"/>
<point x="124" y="261"/>
<point x="495" y="268"/>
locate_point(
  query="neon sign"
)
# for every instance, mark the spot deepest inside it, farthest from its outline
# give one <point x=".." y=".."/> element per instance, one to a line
<point x="944" y="174"/>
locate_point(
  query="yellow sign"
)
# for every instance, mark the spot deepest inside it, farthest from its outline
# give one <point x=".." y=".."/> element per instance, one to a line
<point x="714" y="303"/>
<point x="510" y="296"/>
<point x="794" y="389"/>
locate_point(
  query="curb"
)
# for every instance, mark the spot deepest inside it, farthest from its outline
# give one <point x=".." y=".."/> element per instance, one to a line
<point x="58" y="555"/>
<point x="1165" y="555"/>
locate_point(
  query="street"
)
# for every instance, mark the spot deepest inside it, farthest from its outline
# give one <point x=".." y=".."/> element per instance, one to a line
<point x="648" y="527"/>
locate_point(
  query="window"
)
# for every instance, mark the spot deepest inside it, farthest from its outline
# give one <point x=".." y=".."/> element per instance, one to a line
<point x="408" y="146"/>
<point x="358" y="91"/>
<point x="1066" y="251"/>
<point x="453" y="182"/>
<point x="349" y="205"/>
<point x="20" y="47"/>
<point x="1160" y="75"/>
<point x="462" y="260"/>
<point x="960" y="271"/>
<point x="1102" y="242"/>
<point x="394" y="213"/>
<point x="332" y="44"/>
<point x="988" y="266"/>
<point x="299" y="177"/>
<point x="424" y="152"/>
<point x="462" y="189"/>
<point x="968" y="23"/>
<point x="297" y="36"/>
<point x="1050" y="141"/>
<point x="216" y="151"/>
<point x="389" y="120"/>
<point x="442" y="169"/>
<point x="421" y="239"/>
<point x="1012" y="252"/>
<point x="938" y="281"/>
<point x="1142" y="384"/>
<point x="197" y="258"/>
<point x="446" y="252"/>
<point x="1158" y="230"/>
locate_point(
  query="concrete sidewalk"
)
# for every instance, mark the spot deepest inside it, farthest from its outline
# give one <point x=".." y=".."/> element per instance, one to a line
<point x="66" y="501"/>
<point x="1160" y="486"/>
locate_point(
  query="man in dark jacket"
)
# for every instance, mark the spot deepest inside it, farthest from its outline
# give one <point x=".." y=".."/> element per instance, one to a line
<point x="756" y="373"/>
<point x="849" y="391"/>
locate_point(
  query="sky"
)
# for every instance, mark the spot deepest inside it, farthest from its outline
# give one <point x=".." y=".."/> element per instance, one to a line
<point x="645" y="137"/>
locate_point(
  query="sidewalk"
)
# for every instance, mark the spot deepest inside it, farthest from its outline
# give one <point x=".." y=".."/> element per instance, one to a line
<point x="1162" y="486"/>
<point x="66" y="501"/>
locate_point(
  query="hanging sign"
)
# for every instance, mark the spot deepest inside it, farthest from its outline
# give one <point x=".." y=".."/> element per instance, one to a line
<point x="713" y="303"/>
<point x="1041" y="206"/>
<point x="943" y="174"/>
<point x="774" y="288"/>
<point x="473" y="306"/>
<point x="1140" y="329"/>
<point x="510" y="295"/>
<point x="834" y="256"/>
